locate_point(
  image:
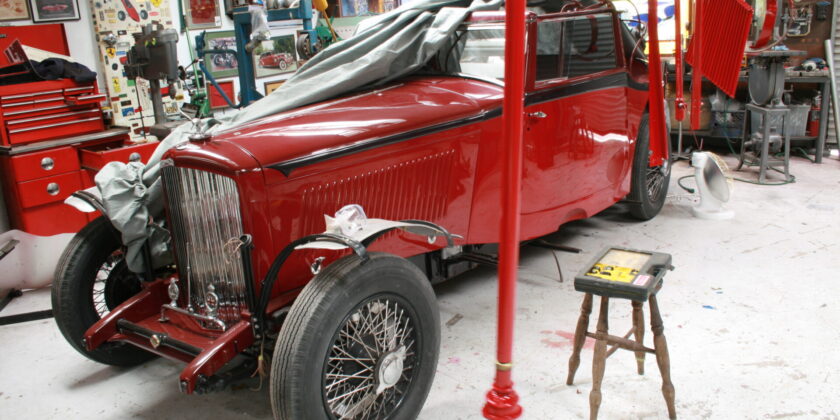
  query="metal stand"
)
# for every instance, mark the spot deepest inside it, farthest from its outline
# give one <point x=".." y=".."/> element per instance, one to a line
<point x="759" y="146"/>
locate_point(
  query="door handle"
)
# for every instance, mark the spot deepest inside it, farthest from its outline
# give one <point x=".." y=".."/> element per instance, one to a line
<point x="538" y="114"/>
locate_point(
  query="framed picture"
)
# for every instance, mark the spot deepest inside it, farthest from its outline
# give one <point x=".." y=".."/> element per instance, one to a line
<point x="275" y="56"/>
<point x="54" y="10"/>
<point x="272" y="86"/>
<point x="13" y="10"/>
<point x="203" y="14"/>
<point x="216" y="99"/>
<point x="221" y="65"/>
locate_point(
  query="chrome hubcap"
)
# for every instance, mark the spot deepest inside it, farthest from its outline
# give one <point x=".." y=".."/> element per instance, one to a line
<point x="371" y="363"/>
<point x="389" y="370"/>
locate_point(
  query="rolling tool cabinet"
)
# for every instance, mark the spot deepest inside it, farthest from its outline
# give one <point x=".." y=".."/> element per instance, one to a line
<point x="52" y="141"/>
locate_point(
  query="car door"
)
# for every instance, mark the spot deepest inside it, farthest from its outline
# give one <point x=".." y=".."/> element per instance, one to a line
<point x="576" y="125"/>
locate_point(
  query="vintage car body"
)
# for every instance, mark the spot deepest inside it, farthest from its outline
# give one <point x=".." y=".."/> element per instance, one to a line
<point x="423" y="148"/>
<point x="276" y="60"/>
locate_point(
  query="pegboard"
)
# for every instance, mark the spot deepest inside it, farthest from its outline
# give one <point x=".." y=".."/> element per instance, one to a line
<point x="129" y="99"/>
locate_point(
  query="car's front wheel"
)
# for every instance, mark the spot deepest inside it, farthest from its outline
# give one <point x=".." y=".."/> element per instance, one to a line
<point x="360" y="342"/>
<point x="91" y="279"/>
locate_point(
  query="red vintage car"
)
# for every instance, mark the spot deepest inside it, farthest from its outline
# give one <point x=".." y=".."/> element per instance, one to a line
<point x="354" y="333"/>
<point x="276" y="60"/>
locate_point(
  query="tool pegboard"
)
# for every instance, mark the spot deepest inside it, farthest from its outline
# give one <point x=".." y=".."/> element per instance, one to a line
<point x="114" y="21"/>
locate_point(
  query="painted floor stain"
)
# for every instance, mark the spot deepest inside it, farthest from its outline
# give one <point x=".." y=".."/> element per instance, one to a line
<point x="567" y="339"/>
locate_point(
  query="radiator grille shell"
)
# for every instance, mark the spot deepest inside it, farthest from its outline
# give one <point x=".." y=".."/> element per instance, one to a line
<point x="206" y="224"/>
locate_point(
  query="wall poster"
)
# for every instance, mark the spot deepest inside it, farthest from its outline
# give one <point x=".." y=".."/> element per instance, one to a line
<point x="275" y="56"/>
<point x="203" y="14"/>
<point x="54" y="10"/>
<point x="221" y="64"/>
<point x="13" y="10"/>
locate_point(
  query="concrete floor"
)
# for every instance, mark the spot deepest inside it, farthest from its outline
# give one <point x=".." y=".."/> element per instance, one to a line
<point x="750" y="316"/>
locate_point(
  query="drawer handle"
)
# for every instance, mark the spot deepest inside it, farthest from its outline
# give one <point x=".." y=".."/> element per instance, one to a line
<point x="52" y="188"/>
<point x="41" y="127"/>
<point x="47" y="163"/>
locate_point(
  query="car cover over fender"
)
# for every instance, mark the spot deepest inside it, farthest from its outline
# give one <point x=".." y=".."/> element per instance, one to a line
<point x="384" y="48"/>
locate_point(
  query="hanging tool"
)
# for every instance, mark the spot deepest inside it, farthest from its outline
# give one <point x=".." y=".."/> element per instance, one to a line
<point x="321" y="6"/>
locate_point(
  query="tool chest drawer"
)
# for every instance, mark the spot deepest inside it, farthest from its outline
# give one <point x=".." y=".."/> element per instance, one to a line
<point x="29" y="166"/>
<point x="31" y="112"/>
<point x="48" y="190"/>
<point x="95" y="157"/>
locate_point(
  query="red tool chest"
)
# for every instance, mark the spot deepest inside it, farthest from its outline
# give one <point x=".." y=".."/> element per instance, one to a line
<point x="47" y="110"/>
<point x="52" y="142"/>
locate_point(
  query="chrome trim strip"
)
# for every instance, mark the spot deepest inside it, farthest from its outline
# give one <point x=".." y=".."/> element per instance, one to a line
<point x="29" y="95"/>
<point x="36" y="110"/>
<point x="50" y="117"/>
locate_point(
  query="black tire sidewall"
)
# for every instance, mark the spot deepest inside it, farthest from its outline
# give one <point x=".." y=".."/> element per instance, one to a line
<point x="309" y="331"/>
<point x="642" y="207"/>
<point x="72" y="287"/>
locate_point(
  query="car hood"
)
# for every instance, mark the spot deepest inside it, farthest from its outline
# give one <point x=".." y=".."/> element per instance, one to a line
<point x="402" y="107"/>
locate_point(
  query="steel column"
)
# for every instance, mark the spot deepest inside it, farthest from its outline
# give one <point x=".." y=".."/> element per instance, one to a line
<point x="658" y="141"/>
<point x="502" y="402"/>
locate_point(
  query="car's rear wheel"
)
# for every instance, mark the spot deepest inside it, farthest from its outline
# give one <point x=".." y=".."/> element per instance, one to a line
<point x="90" y="280"/>
<point x="649" y="184"/>
<point x="360" y="342"/>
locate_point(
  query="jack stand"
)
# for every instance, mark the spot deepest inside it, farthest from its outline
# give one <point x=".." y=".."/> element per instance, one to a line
<point x="772" y="132"/>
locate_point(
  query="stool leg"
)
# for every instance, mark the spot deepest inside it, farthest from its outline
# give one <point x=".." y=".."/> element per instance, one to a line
<point x="580" y="337"/>
<point x="662" y="358"/>
<point x="599" y="361"/>
<point x="639" y="332"/>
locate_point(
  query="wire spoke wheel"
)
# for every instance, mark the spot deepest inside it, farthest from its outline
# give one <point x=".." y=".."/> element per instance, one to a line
<point x="371" y="363"/>
<point x="91" y="279"/>
<point x="655" y="182"/>
<point x="360" y="342"/>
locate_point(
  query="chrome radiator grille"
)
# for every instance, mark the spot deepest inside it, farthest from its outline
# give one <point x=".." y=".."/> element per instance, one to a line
<point x="206" y="226"/>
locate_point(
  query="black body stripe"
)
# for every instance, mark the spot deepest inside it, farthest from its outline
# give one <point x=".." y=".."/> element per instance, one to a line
<point x="288" y="166"/>
<point x="610" y="81"/>
<point x="576" y="88"/>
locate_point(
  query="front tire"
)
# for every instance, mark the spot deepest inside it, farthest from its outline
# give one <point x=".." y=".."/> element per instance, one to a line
<point x="648" y="185"/>
<point x="91" y="279"/>
<point x="360" y="342"/>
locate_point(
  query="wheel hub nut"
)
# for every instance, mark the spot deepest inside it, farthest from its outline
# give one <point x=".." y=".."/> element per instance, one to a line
<point x="390" y="369"/>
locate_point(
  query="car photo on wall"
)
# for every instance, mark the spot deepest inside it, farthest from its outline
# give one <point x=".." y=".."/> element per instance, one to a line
<point x="275" y="56"/>
<point x="221" y="65"/>
<point x="54" y="10"/>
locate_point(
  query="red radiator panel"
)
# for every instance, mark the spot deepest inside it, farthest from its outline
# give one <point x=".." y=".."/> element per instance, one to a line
<point x="725" y="28"/>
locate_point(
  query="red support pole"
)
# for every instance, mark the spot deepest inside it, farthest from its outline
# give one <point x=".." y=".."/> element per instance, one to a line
<point x="502" y="402"/>
<point x="658" y="142"/>
<point x="679" y="100"/>
<point x="696" y="69"/>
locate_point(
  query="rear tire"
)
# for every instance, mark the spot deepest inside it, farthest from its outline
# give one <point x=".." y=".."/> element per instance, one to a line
<point x="91" y="279"/>
<point x="648" y="185"/>
<point x="360" y="342"/>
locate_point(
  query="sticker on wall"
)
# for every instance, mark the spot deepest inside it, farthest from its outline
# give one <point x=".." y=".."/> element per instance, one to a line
<point x="115" y="82"/>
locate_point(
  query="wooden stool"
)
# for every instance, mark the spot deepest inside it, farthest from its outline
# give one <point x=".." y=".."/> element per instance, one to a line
<point x="599" y="361"/>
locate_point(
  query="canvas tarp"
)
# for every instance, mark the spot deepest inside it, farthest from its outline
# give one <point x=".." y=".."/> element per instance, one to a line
<point x="384" y="48"/>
